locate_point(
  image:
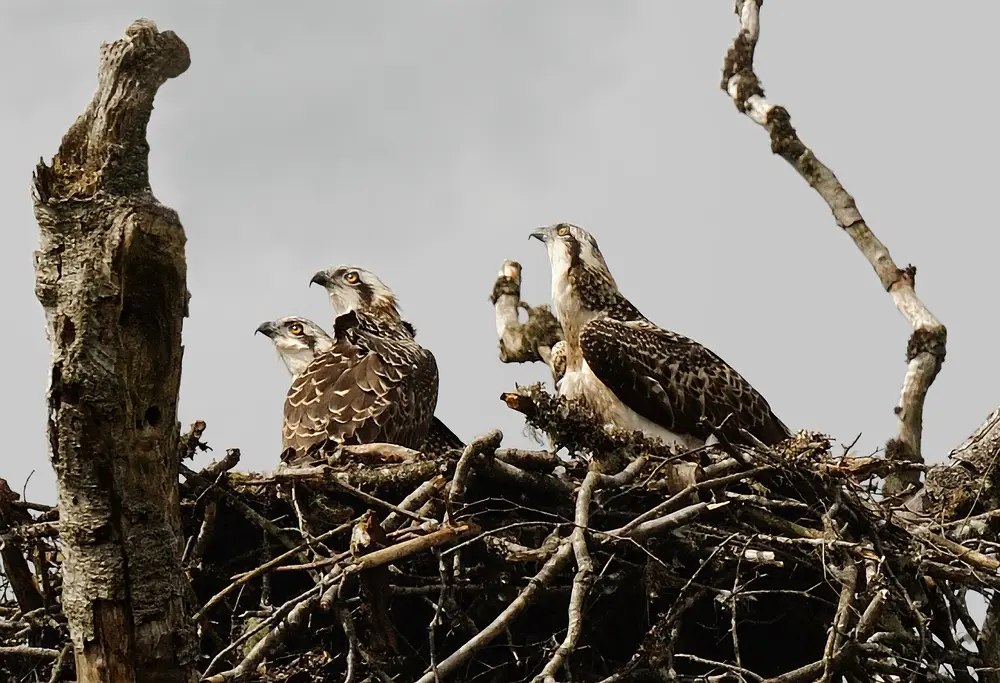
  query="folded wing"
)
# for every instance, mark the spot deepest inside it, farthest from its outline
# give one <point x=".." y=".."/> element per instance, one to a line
<point x="441" y="439"/>
<point x="363" y="390"/>
<point x="674" y="381"/>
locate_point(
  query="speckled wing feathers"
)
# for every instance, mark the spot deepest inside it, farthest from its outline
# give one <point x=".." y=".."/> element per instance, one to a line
<point x="674" y="381"/>
<point x="365" y="389"/>
<point x="441" y="439"/>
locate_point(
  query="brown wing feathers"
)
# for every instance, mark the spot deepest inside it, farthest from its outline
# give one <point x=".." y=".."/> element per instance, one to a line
<point x="675" y="381"/>
<point x="363" y="390"/>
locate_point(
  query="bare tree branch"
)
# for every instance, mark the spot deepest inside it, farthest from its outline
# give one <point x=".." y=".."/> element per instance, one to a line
<point x="488" y="442"/>
<point x="925" y="351"/>
<point x="584" y="577"/>
<point x="529" y="341"/>
<point x="505" y="618"/>
<point x="111" y="277"/>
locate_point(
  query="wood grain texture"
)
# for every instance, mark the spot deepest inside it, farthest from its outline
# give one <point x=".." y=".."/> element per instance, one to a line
<point x="111" y="276"/>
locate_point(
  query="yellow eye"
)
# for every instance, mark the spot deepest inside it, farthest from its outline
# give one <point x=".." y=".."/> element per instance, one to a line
<point x="563" y="230"/>
<point x="351" y="277"/>
<point x="295" y="329"/>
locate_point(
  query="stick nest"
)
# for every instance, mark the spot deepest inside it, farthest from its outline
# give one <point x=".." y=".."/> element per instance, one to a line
<point x="616" y="560"/>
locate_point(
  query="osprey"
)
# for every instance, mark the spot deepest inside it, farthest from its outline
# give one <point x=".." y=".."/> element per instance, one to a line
<point x="298" y="340"/>
<point x="352" y="288"/>
<point x="557" y="360"/>
<point x="363" y="389"/>
<point x="633" y="374"/>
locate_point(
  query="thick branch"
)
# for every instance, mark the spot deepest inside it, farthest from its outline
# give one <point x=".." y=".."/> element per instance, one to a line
<point x="111" y="276"/>
<point x="487" y="443"/>
<point x="529" y="341"/>
<point x="925" y="351"/>
<point x="584" y="577"/>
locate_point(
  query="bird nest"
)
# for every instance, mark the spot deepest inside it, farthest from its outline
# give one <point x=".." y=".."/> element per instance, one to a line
<point x="621" y="561"/>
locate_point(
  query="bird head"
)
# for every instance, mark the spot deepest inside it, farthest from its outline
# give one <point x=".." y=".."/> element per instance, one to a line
<point x="569" y="246"/>
<point x="355" y="289"/>
<point x="297" y="341"/>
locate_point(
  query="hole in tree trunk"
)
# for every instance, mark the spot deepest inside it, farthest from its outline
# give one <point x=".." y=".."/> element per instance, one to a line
<point x="68" y="335"/>
<point x="153" y="416"/>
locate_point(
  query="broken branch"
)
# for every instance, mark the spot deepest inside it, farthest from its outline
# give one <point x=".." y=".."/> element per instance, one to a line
<point x="529" y="341"/>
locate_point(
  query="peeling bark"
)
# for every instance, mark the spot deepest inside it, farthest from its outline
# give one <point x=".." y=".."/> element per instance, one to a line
<point x="536" y="339"/>
<point x="111" y="276"/>
<point x="925" y="350"/>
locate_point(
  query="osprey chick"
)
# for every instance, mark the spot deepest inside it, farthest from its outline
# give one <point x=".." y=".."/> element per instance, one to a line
<point x="633" y="374"/>
<point x="351" y="288"/>
<point x="298" y="340"/>
<point x="363" y="389"/>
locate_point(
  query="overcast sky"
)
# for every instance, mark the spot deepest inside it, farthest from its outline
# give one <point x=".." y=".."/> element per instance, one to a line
<point x="425" y="140"/>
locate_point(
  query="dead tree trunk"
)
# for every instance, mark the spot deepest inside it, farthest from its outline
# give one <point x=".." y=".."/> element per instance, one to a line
<point x="111" y="276"/>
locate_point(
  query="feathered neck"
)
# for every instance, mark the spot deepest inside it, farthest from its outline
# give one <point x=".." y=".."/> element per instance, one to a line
<point x="382" y="324"/>
<point x="582" y="293"/>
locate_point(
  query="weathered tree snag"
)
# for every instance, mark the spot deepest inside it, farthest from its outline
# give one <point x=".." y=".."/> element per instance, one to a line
<point x="111" y="276"/>
<point x="926" y="349"/>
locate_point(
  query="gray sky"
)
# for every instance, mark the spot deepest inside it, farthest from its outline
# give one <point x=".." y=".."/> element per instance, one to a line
<point x="425" y="140"/>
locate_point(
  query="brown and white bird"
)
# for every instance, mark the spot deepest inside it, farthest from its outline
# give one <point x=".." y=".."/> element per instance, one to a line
<point x="363" y="389"/>
<point x="297" y="341"/>
<point x="352" y="288"/>
<point x="633" y="374"/>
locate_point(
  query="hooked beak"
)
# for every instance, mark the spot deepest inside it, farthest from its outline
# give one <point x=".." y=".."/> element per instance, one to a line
<point x="542" y="235"/>
<point x="321" y="279"/>
<point x="267" y="329"/>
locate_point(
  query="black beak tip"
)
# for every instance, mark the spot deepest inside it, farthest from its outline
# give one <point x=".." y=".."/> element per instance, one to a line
<point x="265" y="329"/>
<point x="318" y="279"/>
<point x="538" y="235"/>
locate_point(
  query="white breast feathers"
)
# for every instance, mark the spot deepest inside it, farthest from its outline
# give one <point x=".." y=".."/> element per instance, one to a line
<point x="583" y="385"/>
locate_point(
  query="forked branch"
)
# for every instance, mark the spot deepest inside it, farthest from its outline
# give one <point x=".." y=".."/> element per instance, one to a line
<point x="925" y="351"/>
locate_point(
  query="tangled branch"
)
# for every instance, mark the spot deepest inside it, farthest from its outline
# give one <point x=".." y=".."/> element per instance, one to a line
<point x="772" y="564"/>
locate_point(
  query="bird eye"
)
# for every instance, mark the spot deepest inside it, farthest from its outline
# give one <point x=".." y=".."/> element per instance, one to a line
<point x="563" y="230"/>
<point x="295" y="329"/>
<point x="351" y="277"/>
